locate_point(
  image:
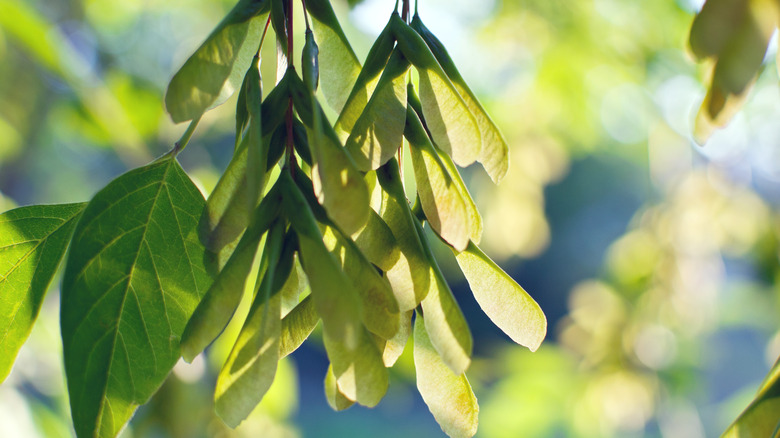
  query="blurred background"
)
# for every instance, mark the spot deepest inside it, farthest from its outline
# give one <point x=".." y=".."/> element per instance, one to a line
<point x="654" y="259"/>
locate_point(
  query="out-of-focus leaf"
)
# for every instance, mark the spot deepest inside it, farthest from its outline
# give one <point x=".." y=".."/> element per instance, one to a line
<point x="336" y="399"/>
<point x="448" y="395"/>
<point x="444" y="321"/>
<point x="223" y="297"/>
<point x="339" y="185"/>
<point x="495" y="152"/>
<point x="217" y="68"/>
<point x="409" y="275"/>
<point x="376" y="241"/>
<point x="360" y="372"/>
<point x="379" y="307"/>
<point x="762" y="417"/>
<point x="134" y="276"/>
<point x="336" y="300"/>
<point x="339" y="66"/>
<point x="365" y="83"/>
<point x="279" y="24"/>
<point x="440" y="196"/>
<point x="715" y="25"/>
<point x="378" y="132"/>
<point x="504" y="301"/>
<point x="453" y="128"/>
<point x="737" y="65"/>
<point x="251" y="365"/>
<point x="32" y="242"/>
<point x="297" y="326"/>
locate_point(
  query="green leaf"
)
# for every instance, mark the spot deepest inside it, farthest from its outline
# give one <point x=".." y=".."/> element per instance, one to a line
<point x="339" y="66"/>
<point x="310" y="62"/>
<point x="453" y="128"/>
<point x="714" y="26"/>
<point x="762" y="417"/>
<point x="378" y="132"/>
<point x="217" y="68"/>
<point x="444" y="321"/>
<point x="32" y="242"/>
<point x="336" y="399"/>
<point x="297" y="326"/>
<point x="359" y="371"/>
<point x="494" y="155"/>
<point x="339" y="185"/>
<point x="409" y="275"/>
<point x="251" y="365"/>
<point x="376" y="241"/>
<point x="365" y="83"/>
<point x="336" y="300"/>
<point x="379" y="307"/>
<point x="223" y="297"/>
<point x="440" y="196"/>
<point x="448" y="395"/>
<point x="394" y="347"/>
<point x="504" y="301"/>
<point x="134" y="276"/>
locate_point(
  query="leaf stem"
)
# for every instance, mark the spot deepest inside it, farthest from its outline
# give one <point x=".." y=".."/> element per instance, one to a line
<point x="305" y="16"/>
<point x="185" y="138"/>
<point x="405" y="11"/>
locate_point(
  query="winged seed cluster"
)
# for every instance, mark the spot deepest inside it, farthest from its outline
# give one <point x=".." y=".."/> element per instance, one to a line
<point x="155" y="273"/>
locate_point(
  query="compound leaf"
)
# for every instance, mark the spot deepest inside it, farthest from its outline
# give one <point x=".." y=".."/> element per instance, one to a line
<point x="135" y="274"/>
<point x="32" y="242"/>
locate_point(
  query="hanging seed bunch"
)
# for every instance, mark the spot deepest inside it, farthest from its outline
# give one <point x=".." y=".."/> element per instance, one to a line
<point x="154" y="272"/>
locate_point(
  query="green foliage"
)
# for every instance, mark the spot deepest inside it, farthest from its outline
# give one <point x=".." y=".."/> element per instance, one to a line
<point x="135" y="272"/>
<point x="155" y="272"/>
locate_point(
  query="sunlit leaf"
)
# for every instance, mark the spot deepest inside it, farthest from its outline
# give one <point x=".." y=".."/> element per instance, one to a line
<point x="379" y="307"/>
<point x="448" y="395"/>
<point x="394" y="347"/>
<point x="339" y="66"/>
<point x="495" y="152"/>
<point x="360" y="372"/>
<point x="440" y="195"/>
<point x="378" y="132"/>
<point x="336" y="399"/>
<point x="762" y="417"/>
<point x="409" y="275"/>
<point x="504" y="301"/>
<point x="365" y="83"/>
<point x="376" y="241"/>
<point x="297" y="326"/>
<point x="336" y="300"/>
<point x="32" y="242"/>
<point x="216" y="70"/>
<point x="251" y="365"/>
<point x="134" y="276"/>
<point x="223" y="297"/>
<point x="453" y="128"/>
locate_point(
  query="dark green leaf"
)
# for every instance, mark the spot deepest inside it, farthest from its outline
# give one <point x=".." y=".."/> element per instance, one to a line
<point x="251" y="365"/>
<point x="217" y="68"/>
<point x="32" y="242"/>
<point x="310" y="64"/>
<point x="223" y="297"/>
<point x="338" y="65"/>
<point x="135" y="274"/>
